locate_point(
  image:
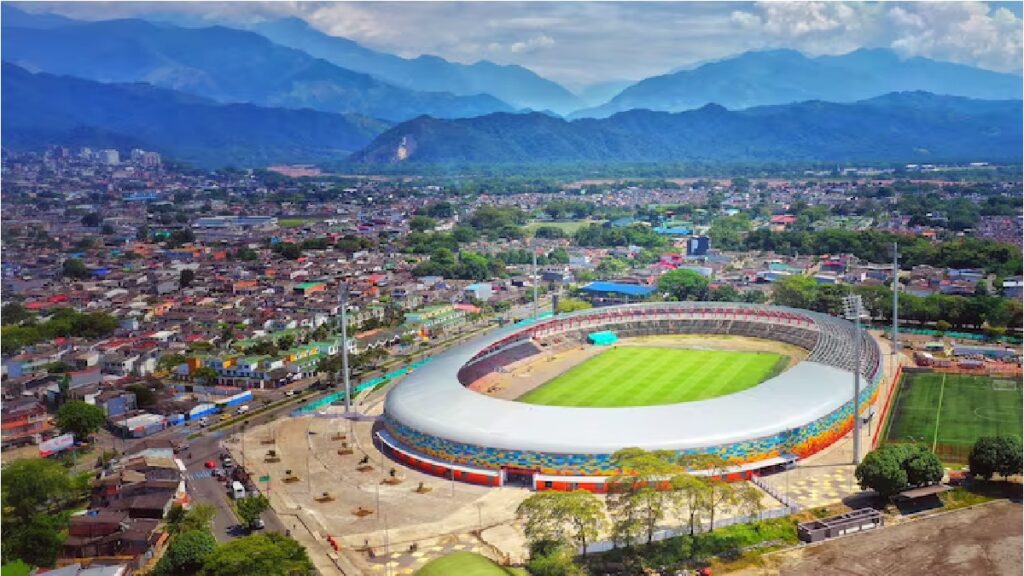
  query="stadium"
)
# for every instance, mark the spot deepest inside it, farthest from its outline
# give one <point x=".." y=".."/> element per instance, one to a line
<point x="756" y="410"/>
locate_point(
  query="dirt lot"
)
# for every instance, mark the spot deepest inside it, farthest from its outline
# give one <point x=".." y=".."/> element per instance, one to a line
<point x="981" y="540"/>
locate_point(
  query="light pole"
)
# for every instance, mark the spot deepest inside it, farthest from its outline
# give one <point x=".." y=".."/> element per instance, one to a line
<point x="853" y="307"/>
<point x="895" y="304"/>
<point x="343" y="304"/>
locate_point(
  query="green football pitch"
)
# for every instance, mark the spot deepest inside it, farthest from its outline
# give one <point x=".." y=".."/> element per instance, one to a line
<point x="638" y="376"/>
<point x="948" y="412"/>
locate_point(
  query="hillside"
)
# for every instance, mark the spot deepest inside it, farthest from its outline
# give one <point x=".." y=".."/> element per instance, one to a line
<point x="902" y="127"/>
<point x="42" y="109"/>
<point x="513" y="84"/>
<point x="226" y="65"/>
<point x="786" y="76"/>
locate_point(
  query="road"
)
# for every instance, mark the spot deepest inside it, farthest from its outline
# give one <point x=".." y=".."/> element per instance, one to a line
<point x="204" y="488"/>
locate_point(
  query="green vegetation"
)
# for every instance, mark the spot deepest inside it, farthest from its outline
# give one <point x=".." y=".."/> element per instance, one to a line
<point x="294" y="222"/>
<point x="567" y="305"/>
<point x="684" y="284"/>
<point x="16" y="568"/>
<point x="62" y="322"/>
<point x="269" y="554"/>
<point x="567" y="228"/>
<point x="250" y="508"/>
<point x="80" y="418"/>
<point x="464" y="564"/>
<point x="637" y="376"/>
<point x="950" y="412"/>
<point x="993" y="455"/>
<point x="894" y="468"/>
<point x="605" y="236"/>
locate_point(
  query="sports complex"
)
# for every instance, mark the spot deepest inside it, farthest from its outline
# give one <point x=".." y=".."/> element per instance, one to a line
<point x="547" y="404"/>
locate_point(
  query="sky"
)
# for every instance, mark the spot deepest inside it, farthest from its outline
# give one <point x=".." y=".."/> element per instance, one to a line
<point x="584" y="43"/>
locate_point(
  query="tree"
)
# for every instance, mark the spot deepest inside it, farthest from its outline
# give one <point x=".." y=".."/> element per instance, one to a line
<point x="552" y="558"/>
<point x="265" y="554"/>
<point x="683" y="284"/>
<point x="14" y="313"/>
<point x="749" y="498"/>
<point x="250" y="508"/>
<point x="37" y="541"/>
<point x="196" y="517"/>
<point x="34" y="485"/>
<point x="206" y="374"/>
<point x="92" y="219"/>
<point x="720" y="493"/>
<point x="725" y="293"/>
<point x="75" y="269"/>
<point x="186" y="277"/>
<point x="567" y="305"/>
<point x="144" y="395"/>
<point x="942" y="326"/>
<point x="186" y="553"/>
<point x="992" y="455"/>
<point x="689" y="494"/>
<point x="422" y="223"/>
<point x="795" y="291"/>
<point x="571" y="517"/>
<point x="80" y="418"/>
<point x="893" y="468"/>
<point x="635" y="501"/>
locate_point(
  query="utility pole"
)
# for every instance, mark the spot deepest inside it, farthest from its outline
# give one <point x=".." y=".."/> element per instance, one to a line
<point x="534" y="251"/>
<point x="895" y="303"/>
<point x="854" y="306"/>
<point x="343" y="303"/>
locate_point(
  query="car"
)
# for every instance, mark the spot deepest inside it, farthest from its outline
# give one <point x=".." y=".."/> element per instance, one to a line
<point x="291" y="393"/>
<point x="228" y="462"/>
<point x="259" y="525"/>
<point x="218" y="473"/>
<point x="211" y="464"/>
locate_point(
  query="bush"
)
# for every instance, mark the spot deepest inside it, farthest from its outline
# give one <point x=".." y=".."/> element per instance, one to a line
<point x="992" y="455"/>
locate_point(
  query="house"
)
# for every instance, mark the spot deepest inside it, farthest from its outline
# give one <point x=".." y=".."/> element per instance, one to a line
<point x="480" y="291"/>
<point x="25" y="421"/>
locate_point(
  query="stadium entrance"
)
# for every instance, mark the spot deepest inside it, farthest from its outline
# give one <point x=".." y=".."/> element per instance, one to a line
<point x="518" y="477"/>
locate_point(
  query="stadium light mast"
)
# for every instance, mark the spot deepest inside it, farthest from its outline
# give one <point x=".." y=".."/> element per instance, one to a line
<point x="895" y="303"/>
<point x="853" y="307"/>
<point x="534" y="251"/>
<point x="343" y="304"/>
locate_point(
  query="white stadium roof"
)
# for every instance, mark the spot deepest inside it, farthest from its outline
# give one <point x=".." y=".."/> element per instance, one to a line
<point x="432" y="401"/>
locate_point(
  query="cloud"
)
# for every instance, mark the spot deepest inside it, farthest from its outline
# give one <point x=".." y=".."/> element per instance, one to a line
<point x="975" y="33"/>
<point x="583" y="43"/>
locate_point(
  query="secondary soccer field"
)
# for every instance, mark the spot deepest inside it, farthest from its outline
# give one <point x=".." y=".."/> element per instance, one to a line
<point x="948" y="412"/>
<point x="638" y="376"/>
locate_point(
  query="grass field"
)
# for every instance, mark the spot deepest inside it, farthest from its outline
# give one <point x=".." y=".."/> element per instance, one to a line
<point x="639" y="376"/>
<point x="295" y="222"/>
<point x="568" y="226"/>
<point x="466" y="564"/>
<point x="948" y="412"/>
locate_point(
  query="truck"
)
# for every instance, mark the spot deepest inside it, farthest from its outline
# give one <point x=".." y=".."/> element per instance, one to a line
<point x="242" y="409"/>
<point x="237" y="490"/>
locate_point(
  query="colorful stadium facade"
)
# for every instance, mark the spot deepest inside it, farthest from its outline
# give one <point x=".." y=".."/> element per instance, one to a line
<point x="435" y="421"/>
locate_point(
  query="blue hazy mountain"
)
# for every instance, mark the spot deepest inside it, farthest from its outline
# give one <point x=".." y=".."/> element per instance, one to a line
<point x="899" y="127"/>
<point x="226" y="65"/>
<point x="513" y="84"/>
<point x="42" y="109"/>
<point x="785" y="76"/>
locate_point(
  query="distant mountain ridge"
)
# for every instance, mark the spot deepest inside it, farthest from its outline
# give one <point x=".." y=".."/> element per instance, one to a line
<point x="786" y="76"/>
<point x="900" y="127"/>
<point x="513" y="84"/>
<point x="42" y="109"/>
<point x="222" y="64"/>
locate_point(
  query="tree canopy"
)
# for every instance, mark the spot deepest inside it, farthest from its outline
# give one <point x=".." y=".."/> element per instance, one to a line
<point x="993" y="455"/>
<point x="80" y="418"/>
<point x="266" y="554"/>
<point x="684" y="284"/>
<point x="893" y="468"/>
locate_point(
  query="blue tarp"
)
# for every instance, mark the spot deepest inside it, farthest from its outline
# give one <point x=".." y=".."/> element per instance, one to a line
<point x="617" y="288"/>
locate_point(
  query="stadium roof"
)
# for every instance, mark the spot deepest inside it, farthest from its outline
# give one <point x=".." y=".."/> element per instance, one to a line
<point x="618" y="288"/>
<point x="434" y="402"/>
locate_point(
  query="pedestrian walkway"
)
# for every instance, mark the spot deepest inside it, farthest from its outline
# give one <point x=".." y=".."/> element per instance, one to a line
<point x="409" y="561"/>
<point x="199" y="474"/>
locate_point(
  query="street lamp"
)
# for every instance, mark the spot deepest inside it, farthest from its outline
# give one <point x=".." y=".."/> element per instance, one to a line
<point x="853" y="309"/>
<point x="343" y="304"/>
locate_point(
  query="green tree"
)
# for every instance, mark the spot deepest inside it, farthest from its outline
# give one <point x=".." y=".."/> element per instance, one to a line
<point x="993" y="455"/>
<point x="796" y="291"/>
<point x="196" y="517"/>
<point x="32" y="486"/>
<point x="187" y="553"/>
<point x="611" y="267"/>
<point x="749" y="498"/>
<point x="250" y="508"/>
<point x="571" y="517"/>
<point x="552" y="558"/>
<point x="80" y="418"/>
<point x="14" y="313"/>
<point x="206" y="374"/>
<point x="144" y="395"/>
<point x="893" y="468"/>
<point x="75" y="269"/>
<point x="720" y="493"/>
<point x="725" y="293"/>
<point x="422" y="223"/>
<point x="186" y="277"/>
<point x="567" y="305"/>
<point x="688" y="496"/>
<point x="37" y="541"/>
<point x="683" y="284"/>
<point x="265" y="554"/>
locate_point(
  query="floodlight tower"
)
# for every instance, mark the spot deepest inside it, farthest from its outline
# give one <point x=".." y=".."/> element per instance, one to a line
<point x="343" y="304"/>
<point x="853" y="307"/>
<point x="895" y="304"/>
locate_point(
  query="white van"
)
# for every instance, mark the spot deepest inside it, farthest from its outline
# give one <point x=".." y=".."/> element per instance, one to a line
<point x="237" y="490"/>
<point x="242" y="409"/>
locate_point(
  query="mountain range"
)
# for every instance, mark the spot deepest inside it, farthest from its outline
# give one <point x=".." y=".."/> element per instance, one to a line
<point x="515" y="85"/>
<point x="784" y="76"/>
<point x="898" y="127"/>
<point x="226" y="65"/>
<point x="42" y="109"/>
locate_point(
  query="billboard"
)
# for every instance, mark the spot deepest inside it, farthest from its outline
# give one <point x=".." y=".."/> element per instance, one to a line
<point x="56" y="444"/>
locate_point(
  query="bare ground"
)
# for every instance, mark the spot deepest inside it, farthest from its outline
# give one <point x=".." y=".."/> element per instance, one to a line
<point x="982" y="540"/>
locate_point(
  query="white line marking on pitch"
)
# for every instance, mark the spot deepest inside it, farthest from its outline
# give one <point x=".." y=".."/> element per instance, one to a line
<point x="938" y="413"/>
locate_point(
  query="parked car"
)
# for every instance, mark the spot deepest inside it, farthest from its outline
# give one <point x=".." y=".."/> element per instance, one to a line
<point x="211" y="464"/>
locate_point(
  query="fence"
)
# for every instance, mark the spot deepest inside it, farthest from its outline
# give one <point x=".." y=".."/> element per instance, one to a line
<point x="949" y="334"/>
<point x="340" y="395"/>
